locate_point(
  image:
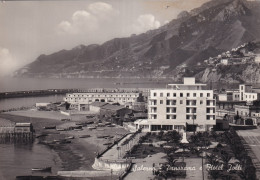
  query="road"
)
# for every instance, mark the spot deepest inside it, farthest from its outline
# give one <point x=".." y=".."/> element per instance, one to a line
<point x="252" y="145"/>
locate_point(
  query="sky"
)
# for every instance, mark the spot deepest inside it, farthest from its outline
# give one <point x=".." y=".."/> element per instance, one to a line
<point x="31" y="28"/>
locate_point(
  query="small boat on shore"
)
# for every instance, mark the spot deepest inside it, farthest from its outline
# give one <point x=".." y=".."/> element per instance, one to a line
<point x="107" y="144"/>
<point x="50" y="127"/>
<point x="41" y="135"/>
<point x="110" y="125"/>
<point x="42" y="169"/>
<point x="100" y="129"/>
<point x="60" y="129"/>
<point x="70" y="137"/>
<point x="84" y="136"/>
<point x="65" y="119"/>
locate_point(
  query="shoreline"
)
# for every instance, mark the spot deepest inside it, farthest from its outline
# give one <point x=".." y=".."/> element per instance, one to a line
<point x="77" y="155"/>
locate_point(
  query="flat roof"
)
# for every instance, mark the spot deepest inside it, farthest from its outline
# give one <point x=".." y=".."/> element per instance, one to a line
<point x="187" y="84"/>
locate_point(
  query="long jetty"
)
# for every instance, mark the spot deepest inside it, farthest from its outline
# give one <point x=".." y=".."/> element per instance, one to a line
<point x="47" y="92"/>
<point x="36" y="93"/>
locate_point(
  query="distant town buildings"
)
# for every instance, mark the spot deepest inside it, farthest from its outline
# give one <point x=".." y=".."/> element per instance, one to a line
<point x="248" y="93"/>
<point x="187" y="106"/>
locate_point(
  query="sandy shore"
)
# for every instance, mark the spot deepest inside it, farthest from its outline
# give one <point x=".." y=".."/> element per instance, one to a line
<point x="81" y="152"/>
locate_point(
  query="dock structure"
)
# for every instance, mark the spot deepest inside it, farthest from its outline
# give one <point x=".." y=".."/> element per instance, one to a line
<point x="15" y="132"/>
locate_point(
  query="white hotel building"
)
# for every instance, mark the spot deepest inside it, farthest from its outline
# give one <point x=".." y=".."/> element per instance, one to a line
<point x="180" y="107"/>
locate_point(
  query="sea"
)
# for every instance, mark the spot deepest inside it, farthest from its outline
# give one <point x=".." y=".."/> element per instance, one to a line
<point x="19" y="159"/>
<point x="16" y="160"/>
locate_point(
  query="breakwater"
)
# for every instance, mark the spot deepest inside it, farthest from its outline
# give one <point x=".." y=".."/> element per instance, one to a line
<point x="32" y="93"/>
<point x="47" y="92"/>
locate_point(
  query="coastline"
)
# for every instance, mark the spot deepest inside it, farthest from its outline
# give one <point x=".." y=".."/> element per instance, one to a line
<point x="77" y="155"/>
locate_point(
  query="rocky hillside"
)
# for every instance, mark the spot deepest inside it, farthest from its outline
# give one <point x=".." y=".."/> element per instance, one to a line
<point x="194" y="36"/>
<point x="239" y="65"/>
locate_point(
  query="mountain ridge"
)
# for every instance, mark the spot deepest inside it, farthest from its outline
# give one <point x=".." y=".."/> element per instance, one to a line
<point x="194" y="36"/>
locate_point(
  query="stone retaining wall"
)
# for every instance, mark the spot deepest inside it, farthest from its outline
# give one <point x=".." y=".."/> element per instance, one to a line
<point x="116" y="165"/>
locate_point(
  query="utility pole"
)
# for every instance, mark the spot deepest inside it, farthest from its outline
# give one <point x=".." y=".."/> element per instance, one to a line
<point x="193" y="122"/>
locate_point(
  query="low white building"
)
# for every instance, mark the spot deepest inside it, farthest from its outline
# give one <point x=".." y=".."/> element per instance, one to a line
<point x="83" y="99"/>
<point x="248" y="93"/>
<point x="257" y="59"/>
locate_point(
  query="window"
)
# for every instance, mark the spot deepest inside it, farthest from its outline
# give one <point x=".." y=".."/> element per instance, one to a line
<point x="187" y="110"/>
<point x="188" y="94"/>
<point x="167" y="116"/>
<point x="167" y="110"/>
<point x="208" y="117"/>
<point x="201" y="102"/>
<point x="194" y="102"/>
<point x="208" y="110"/>
<point x="181" y="102"/>
<point x="208" y="94"/>
<point x="194" y="95"/>
<point x="167" y="102"/>
<point x="174" y="94"/>
<point x="161" y="101"/>
<point x="181" y="94"/>
<point x="174" y="110"/>
<point x="174" y="117"/>
<point x="208" y="102"/>
<point x="168" y="94"/>
<point x="154" y="94"/>
<point x="174" y="102"/>
<point x="161" y="94"/>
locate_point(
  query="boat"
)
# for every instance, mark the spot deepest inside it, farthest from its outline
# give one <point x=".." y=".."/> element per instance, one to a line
<point x="92" y="128"/>
<point x="70" y="137"/>
<point x="110" y="125"/>
<point x="84" y="136"/>
<point x="65" y="119"/>
<point x="104" y="136"/>
<point x="100" y="129"/>
<point x="41" y="135"/>
<point x="60" y="129"/>
<point x="65" y="141"/>
<point x="107" y="144"/>
<point x="42" y="169"/>
<point x="90" y="122"/>
<point x="50" y="127"/>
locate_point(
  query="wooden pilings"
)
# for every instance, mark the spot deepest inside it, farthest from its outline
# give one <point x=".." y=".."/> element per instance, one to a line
<point x="24" y="137"/>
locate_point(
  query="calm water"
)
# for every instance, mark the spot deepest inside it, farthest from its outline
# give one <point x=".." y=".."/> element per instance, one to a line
<point x="10" y="103"/>
<point x="21" y="84"/>
<point x="16" y="160"/>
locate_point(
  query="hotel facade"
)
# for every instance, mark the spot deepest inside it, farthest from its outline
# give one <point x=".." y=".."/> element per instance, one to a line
<point x="180" y="107"/>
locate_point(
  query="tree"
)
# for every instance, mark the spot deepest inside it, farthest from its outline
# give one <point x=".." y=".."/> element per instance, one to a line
<point x="67" y="105"/>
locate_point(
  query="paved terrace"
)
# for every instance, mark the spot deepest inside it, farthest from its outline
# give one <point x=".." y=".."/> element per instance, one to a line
<point x="252" y="144"/>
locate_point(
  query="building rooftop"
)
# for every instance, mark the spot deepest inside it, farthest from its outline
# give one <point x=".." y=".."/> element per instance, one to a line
<point x="112" y="107"/>
<point x="98" y="104"/>
<point x="23" y="124"/>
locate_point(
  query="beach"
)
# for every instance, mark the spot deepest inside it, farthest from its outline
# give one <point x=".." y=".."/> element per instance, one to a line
<point x="80" y="152"/>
